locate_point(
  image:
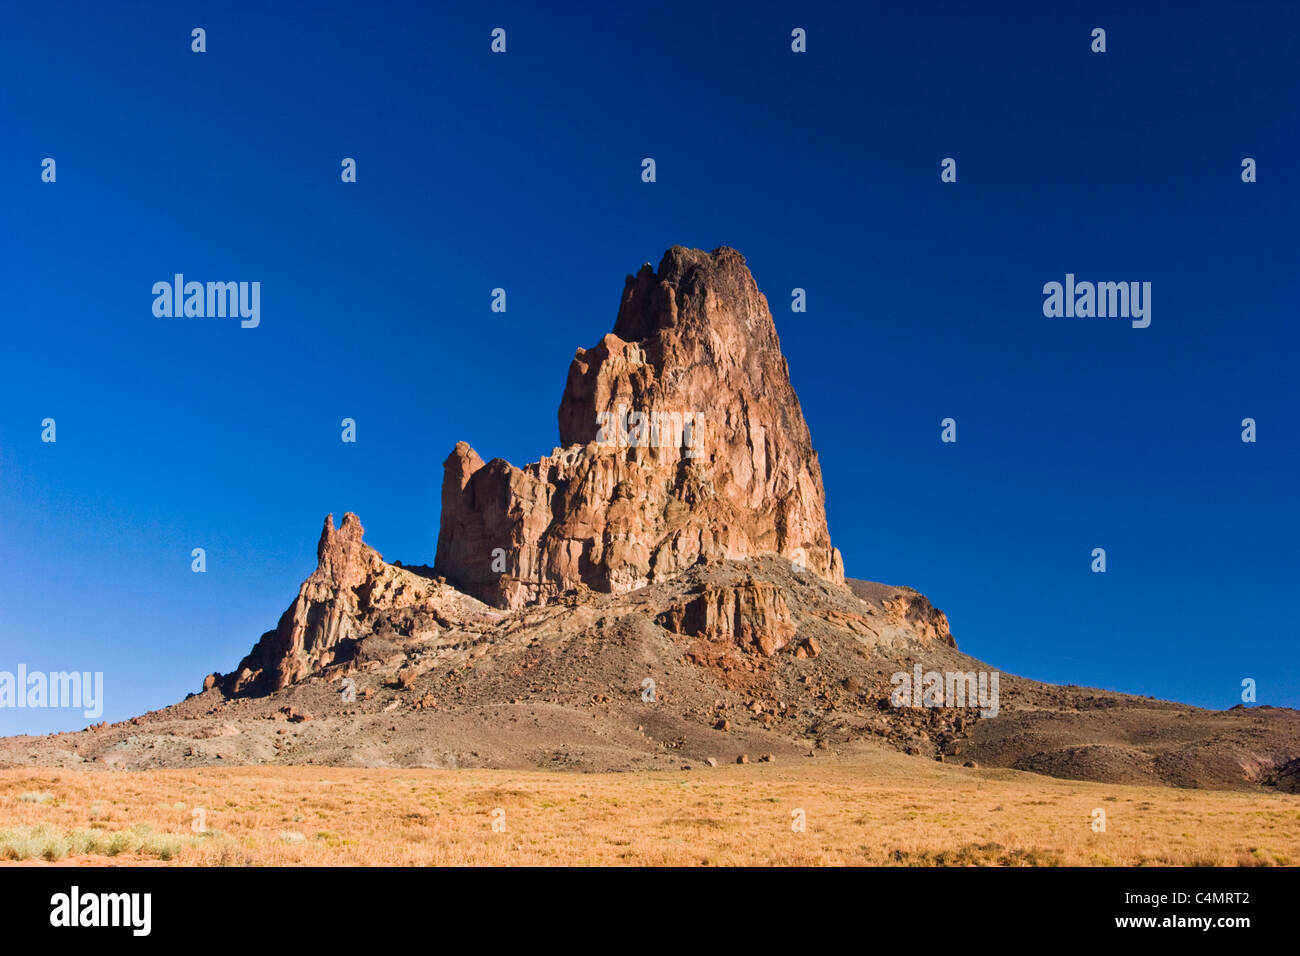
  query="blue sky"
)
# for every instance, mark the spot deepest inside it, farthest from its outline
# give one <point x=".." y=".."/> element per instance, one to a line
<point x="522" y="171"/>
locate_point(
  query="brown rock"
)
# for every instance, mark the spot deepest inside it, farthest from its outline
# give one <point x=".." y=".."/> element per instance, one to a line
<point x="752" y="614"/>
<point x="682" y="441"/>
<point x="351" y="591"/>
<point x="926" y="620"/>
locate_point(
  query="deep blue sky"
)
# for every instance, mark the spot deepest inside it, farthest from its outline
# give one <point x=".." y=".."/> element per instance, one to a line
<point x="523" y="171"/>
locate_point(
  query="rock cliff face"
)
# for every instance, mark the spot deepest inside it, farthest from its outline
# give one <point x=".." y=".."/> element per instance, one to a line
<point x="753" y="614"/>
<point x="682" y="442"/>
<point x="350" y="597"/>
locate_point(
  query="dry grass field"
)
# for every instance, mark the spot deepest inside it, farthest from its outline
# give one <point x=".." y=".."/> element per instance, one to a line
<point x="889" y="810"/>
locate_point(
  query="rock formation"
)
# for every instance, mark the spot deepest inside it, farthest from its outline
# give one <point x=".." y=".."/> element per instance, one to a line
<point x="682" y="441"/>
<point x="351" y="596"/>
<point x="752" y="614"/>
<point x="745" y="634"/>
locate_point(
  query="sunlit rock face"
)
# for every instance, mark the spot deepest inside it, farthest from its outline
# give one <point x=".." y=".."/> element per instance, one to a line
<point x="682" y="441"/>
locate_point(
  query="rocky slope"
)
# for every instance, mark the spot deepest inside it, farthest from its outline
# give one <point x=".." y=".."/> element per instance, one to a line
<point x="633" y="601"/>
<point x="565" y="685"/>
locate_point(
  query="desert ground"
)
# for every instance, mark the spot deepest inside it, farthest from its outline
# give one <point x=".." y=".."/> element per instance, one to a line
<point x="532" y="742"/>
<point x="883" y="809"/>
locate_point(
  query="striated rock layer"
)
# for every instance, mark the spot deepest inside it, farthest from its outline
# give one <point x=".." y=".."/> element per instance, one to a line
<point x="751" y="614"/>
<point x="682" y="442"/>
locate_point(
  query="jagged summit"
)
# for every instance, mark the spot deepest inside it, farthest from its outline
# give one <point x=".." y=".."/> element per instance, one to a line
<point x="682" y="441"/>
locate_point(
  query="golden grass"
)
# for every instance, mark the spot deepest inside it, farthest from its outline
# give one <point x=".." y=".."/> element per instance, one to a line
<point x="888" y="811"/>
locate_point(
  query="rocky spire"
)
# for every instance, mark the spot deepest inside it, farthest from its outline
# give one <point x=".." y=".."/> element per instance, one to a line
<point x="352" y="595"/>
<point x="682" y="441"/>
